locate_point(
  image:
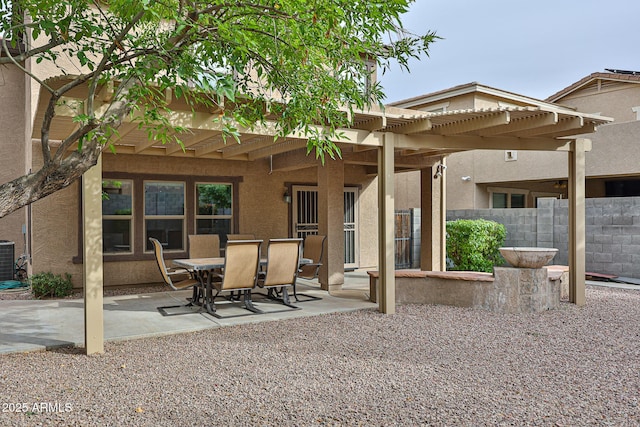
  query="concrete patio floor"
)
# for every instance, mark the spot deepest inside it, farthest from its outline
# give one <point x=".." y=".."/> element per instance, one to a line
<point x="35" y="325"/>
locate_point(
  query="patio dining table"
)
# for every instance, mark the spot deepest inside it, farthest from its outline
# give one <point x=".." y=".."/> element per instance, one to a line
<point x="203" y="269"/>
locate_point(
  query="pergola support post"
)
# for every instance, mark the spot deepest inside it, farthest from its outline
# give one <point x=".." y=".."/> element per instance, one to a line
<point x="386" y="224"/>
<point x="577" y="239"/>
<point x="92" y="259"/>
<point x="433" y="212"/>
<point x="331" y="223"/>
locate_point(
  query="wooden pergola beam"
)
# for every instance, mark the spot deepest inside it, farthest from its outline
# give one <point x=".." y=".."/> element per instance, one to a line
<point x="421" y="125"/>
<point x="522" y="124"/>
<point x="573" y="125"/>
<point x="441" y="142"/>
<point x="189" y="142"/>
<point x="473" y="124"/>
<point x="278" y="148"/>
<point x="246" y="145"/>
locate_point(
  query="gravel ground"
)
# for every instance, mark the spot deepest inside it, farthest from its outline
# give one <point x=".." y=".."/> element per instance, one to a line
<point x="425" y="365"/>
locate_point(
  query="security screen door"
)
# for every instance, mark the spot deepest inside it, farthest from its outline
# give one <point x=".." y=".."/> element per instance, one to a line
<point x="305" y="218"/>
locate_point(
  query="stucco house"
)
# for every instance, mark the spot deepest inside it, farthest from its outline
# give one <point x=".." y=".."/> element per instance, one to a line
<point x="482" y="179"/>
<point x="154" y="188"/>
<point x="268" y="188"/>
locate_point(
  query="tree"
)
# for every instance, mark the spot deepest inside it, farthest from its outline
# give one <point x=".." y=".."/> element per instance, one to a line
<point x="313" y="53"/>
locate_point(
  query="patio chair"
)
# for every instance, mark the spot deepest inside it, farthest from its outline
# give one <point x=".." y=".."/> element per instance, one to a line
<point x="283" y="257"/>
<point x="168" y="273"/>
<point x="245" y="236"/>
<point x="204" y="246"/>
<point x="313" y="249"/>
<point x="241" y="262"/>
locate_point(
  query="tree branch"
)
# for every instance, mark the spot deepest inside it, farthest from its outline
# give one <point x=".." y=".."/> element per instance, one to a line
<point x="117" y="41"/>
<point x="23" y="69"/>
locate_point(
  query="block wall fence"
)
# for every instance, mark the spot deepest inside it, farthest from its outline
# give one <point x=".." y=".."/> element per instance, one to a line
<point x="612" y="231"/>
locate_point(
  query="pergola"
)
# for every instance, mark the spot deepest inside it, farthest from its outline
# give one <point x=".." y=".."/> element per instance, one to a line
<point x="384" y="141"/>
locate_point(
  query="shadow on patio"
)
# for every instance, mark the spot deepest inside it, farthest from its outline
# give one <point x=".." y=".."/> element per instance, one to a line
<point x="34" y="325"/>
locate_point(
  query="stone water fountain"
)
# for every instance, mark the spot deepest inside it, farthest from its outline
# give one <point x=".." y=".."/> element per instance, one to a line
<point x="526" y="286"/>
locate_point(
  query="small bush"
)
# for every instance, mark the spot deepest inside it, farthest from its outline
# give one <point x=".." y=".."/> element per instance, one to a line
<point x="50" y="285"/>
<point x="472" y="245"/>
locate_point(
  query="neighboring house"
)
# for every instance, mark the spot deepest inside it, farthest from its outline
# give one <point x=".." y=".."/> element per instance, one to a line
<point x="483" y="179"/>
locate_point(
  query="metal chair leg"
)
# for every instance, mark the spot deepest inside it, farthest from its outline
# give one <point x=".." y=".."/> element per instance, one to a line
<point x="248" y="303"/>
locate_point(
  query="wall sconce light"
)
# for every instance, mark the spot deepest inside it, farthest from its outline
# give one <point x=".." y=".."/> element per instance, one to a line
<point x="439" y="170"/>
<point x="560" y="184"/>
<point x="466" y="178"/>
<point x="286" y="197"/>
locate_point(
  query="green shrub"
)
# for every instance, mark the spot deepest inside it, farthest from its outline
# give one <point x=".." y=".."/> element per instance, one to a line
<point x="472" y="245"/>
<point x="50" y="285"/>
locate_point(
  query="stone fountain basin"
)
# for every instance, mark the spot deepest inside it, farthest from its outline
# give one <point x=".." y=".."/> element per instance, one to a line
<point x="521" y="257"/>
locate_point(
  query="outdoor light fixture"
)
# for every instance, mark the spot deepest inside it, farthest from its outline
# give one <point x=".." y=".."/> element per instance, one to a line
<point x="439" y="170"/>
<point x="286" y="197"/>
<point x="560" y="184"/>
<point x="466" y="178"/>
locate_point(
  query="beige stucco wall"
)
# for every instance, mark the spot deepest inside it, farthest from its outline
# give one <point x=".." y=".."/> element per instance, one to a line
<point x="616" y="148"/>
<point x="406" y="187"/>
<point x="614" y="99"/>
<point x="15" y="158"/>
<point x="474" y="100"/>
<point x="262" y="211"/>
<point x="486" y="168"/>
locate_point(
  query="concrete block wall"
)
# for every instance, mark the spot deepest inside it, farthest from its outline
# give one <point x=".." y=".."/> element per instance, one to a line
<point x="612" y="231"/>
<point x="613" y="236"/>
<point x="521" y="224"/>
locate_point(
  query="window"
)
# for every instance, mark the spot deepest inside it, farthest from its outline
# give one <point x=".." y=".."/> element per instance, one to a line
<point x="165" y="207"/>
<point x="164" y="214"/>
<point x="499" y="200"/>
<point x="117" y="216"/>
<point x="214" y="211"/>
<point x="622" y="188"/>
<point x="507" y="197"/>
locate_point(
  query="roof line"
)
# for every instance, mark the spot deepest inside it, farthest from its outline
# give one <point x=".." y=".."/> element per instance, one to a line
<point x="466" y="89"/>
<point x="611" y="76"/>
